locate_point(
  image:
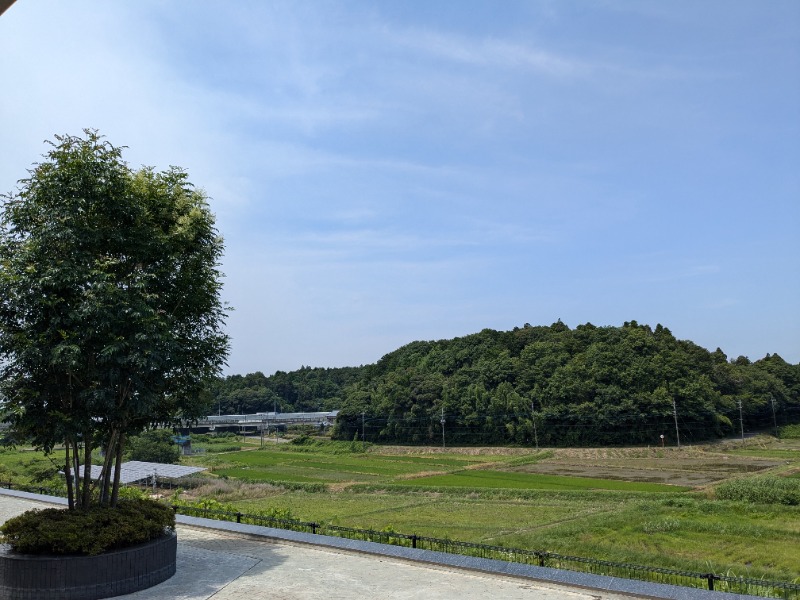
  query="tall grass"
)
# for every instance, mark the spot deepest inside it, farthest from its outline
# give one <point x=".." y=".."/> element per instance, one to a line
<point x="768" y="489"/>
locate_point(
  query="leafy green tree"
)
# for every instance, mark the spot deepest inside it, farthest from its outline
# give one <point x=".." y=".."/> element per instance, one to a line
<point x="110" y="312"/>
<point x="155" y="445"/>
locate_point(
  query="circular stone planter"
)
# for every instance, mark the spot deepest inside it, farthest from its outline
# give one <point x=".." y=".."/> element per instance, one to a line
<point x="48" y="577"/>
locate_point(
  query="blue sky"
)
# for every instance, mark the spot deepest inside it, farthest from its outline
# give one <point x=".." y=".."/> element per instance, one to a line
<point x="384" y="172"/>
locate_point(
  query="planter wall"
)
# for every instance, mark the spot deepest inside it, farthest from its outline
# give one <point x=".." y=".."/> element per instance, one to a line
<point x="42" y="577"/>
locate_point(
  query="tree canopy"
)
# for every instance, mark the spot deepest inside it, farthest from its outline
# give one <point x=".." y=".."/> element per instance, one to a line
<point x="560" y="386"/>
<point x="110" y="312"/>
<point x="156" y="445"/>
<point x="548" y="384"/>
<point x="304" y="390"/>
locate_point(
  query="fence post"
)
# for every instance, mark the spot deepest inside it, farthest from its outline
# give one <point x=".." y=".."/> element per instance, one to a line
<point x="711" y="577"/>
<point x="238" y="517"/>
<point x="313" y="528"/>
<point x="414" y="540"/>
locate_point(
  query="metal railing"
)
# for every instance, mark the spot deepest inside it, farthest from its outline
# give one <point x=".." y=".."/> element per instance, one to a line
<point x="542" y="558"/>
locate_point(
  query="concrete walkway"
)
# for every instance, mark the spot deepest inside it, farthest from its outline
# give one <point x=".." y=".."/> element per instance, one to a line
<point x="226" y="561"/>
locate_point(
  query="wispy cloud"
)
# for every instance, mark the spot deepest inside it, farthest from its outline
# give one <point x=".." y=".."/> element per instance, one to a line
<point x="486" y="52"/>
<point x="377" y="164"/>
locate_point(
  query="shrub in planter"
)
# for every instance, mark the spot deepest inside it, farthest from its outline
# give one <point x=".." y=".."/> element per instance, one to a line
<point x="93" y="531"/>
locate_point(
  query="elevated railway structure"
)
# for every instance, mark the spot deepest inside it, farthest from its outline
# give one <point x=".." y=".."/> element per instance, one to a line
<point x="255" y="422"/>
<point x="258" y="422"/>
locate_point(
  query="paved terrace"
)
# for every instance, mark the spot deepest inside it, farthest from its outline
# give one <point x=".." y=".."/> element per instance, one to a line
<point x="228" y="561"/>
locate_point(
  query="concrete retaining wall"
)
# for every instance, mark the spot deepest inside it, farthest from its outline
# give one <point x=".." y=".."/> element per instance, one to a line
<point x="36" y="577"/>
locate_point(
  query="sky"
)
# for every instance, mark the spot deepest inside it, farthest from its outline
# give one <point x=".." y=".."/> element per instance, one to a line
<point x="384" y="172"/>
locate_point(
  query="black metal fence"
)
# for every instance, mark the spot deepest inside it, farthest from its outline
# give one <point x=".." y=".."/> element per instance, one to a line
<point x="541" y="558"/>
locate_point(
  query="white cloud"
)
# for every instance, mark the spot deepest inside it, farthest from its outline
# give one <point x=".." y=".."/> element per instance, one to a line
<point x="486" y="52"/>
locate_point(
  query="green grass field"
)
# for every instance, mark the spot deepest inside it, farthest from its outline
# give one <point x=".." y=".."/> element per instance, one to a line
<point x="680" y="531"/>
<point x="288" y="464"/>
<point x="479" y="479"/>
<point x="29" y="467"/>
<point x="601" y="503"/>
<point x="483" y="496"/>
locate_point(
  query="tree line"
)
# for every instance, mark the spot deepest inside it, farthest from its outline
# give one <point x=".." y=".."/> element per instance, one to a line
<point x="305" y="390"/>
<point x="550" y="385"/>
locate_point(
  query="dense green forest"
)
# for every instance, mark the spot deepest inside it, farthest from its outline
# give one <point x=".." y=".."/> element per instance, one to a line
<point x="547" y="385"/>
<point x="304" y="390"/>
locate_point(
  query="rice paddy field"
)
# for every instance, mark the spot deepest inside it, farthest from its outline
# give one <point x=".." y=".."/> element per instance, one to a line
<point x="680" y="508"/>
<point x="650" y="506"/>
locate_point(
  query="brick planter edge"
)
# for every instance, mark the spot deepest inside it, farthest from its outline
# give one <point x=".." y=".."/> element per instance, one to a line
<point x="43" y="577"/>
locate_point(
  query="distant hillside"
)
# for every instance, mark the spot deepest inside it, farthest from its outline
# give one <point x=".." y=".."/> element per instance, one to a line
<point x="584" y="386"/>
<point x="305" y="390"/>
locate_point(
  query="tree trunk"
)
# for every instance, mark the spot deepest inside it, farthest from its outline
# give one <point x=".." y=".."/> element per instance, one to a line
<point x="77" y="471"/>
<point x="87" y="470"/>
<point x="117" y="469"/>
<point x="68" y="477"/>
<point x="105" y="475"/>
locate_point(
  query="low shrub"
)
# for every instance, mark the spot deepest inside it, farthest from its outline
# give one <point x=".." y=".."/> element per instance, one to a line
<point x="224" y="511"/>
<point x="94" y="531"/>
<point x="214" y="438"/>
<point x="768" y="489"/>
<point x="219" y="448"/>
<point x="789" y="432"/>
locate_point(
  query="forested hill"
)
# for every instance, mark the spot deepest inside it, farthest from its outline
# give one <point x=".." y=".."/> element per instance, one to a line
<point x="588" y="385"/>
<point x="304" y="390"/>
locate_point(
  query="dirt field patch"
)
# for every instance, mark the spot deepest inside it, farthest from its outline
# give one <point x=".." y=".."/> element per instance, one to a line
<point x="695" y="468"/>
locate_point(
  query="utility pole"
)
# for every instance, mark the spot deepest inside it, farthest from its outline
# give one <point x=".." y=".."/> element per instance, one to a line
<point x="442" y="422"/>
<point x="774" y="418"/>
<point x="675" y="415"/>
<point x="741" y="419"/>
<point x="533" y="420"/>
<point x="363" y="437"/>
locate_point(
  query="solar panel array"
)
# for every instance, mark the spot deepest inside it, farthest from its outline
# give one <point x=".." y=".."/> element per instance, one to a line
<point x="136" y="470"/>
